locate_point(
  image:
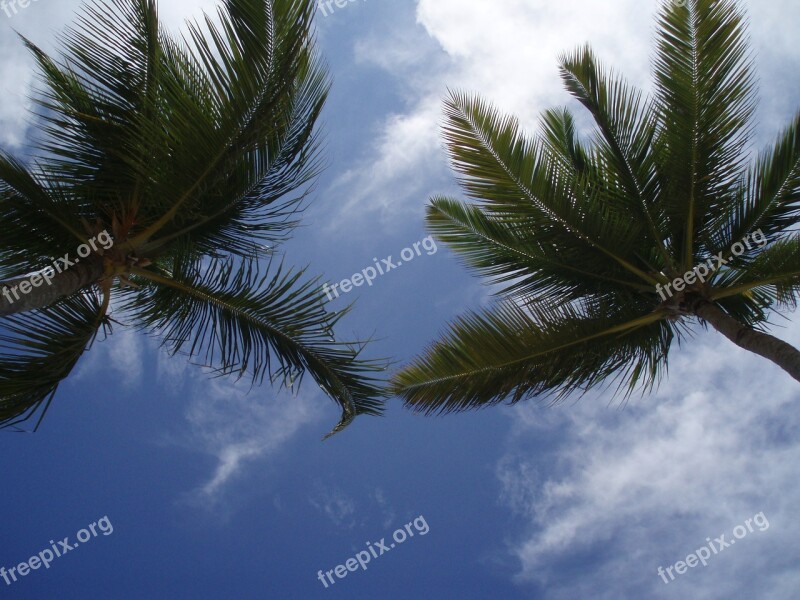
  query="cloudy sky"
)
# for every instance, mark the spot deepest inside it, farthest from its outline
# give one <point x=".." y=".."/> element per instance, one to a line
<point x="216" y="491"/>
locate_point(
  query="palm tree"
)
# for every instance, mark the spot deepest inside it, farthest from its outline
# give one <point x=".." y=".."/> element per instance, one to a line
<point x="599" y="245"/>
<point x="189" y="161"/>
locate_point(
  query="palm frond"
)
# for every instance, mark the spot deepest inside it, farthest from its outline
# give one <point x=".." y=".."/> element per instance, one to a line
<point x="517" y="178"/>
<point x="269" y="88"/>
<point x="239" y="319"/>
<point x="36" y="221"/>
<point x="98" y="104"/>
<point x="510" y="353"/>
<point x="774" y="275"/>
<point x="625" y="133"/>
<point x="704" y="105"/>
<point x="38" y="350"/>
<point x="770" y="198"/>
<point x="200" y="139"/>
<point x="524" y="263"/>
<point x="268" y="185"/>
<point x="560" y="134"/>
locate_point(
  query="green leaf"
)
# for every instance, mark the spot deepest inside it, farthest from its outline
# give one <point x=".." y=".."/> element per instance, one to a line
<point x="705" y="101"/>
<point x="239" y="320"/>
<point x="510" y="353"/>
<point x="38" y="350"/>
<point x="524" y="263"/>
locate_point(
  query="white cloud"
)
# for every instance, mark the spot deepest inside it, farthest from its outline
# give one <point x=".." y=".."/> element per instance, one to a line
<point x="345" y="513"/>
<point x="507" y="51"/>
<point x="236" y="427"/>
<point x="227" y="420"/>
<point x="397" y="170"/>
<point x="37" y="22"/>
<point x="631" y="490"/>
<point x="126" y="353"/>
<point x="172" y="371"/>
<point x="122" y="352"/>
<point x="335" y="505"/>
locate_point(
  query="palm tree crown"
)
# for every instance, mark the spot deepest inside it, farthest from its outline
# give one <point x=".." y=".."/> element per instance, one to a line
<point x="599" y="244"/>
<point x="194" y="157"/>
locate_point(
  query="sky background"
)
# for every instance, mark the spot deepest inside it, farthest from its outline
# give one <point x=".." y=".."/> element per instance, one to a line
<point x="214" y="492"/>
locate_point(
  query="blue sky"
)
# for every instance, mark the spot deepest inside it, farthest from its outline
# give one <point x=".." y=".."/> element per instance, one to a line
<point x="214" y="492"/>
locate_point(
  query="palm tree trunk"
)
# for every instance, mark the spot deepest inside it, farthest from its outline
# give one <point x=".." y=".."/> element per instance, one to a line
<point x="786" y="356"/>
<point x="61" y="284"/>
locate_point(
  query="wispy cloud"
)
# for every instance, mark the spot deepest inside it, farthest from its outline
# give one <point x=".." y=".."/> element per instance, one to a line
<point x="387" y="510"/>
<point x="335" y="505"/>
<point x="345" y="512"/>
<point x="631" y="490"/>
<point x="122" y="353"/>
<point x="238" y="428"/>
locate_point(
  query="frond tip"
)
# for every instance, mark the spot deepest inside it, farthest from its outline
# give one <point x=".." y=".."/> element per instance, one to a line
<point x="348" y="417"/>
